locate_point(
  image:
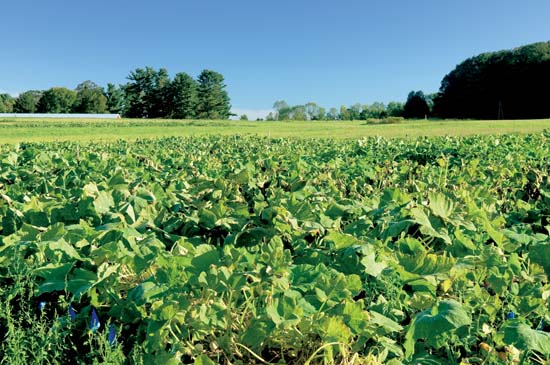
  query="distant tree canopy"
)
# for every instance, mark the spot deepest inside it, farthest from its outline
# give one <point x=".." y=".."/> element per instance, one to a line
<point x="27" y="102"/>
<point x="312" y="111"/>
<point x="149" y="93"/>
<point x="90" y="98"/>
<point x="511" y="84"/>
<point x="56" y="100"/>
<point x="6" y="103"/>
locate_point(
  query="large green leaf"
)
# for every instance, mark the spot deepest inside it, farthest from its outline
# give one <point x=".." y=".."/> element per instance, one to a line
<point x="55" y="277"/>
<point x="440" y="205"/>
<point x="103" y="202"/>
<point x="429" y="325"/>
<point x="426" y="264"/>
<point x="342" y="240"/>
<point x="525" y="338"/>
<point x="430" y="227"/>
<point x="384" y="322"/>
<point x="540" y="253"/>
<point x="333" y="329"/>
<point x="80" y="281"/>
<point x="65" y="248"/>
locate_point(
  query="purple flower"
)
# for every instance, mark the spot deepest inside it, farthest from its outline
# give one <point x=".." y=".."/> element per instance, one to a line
<point x="41" y="306"/>
<point x="112" y="335"/>
<point x="511" y="315"/>
<point x="94" y="322"/>
<point x="72" y="312"/>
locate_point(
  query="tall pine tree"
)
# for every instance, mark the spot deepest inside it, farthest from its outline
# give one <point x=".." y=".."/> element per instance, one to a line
<point x="115" y="99"/>
<point x="183" y="97"/>
<point x="146" y="92"/>
<point x="213" y="100"/>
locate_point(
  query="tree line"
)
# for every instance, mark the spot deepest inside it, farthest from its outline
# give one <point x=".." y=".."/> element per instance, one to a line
<point x="149" y="93"/>
<point x="417" y="106"/>
<point x="511" y="84"/>
<point x="508" y="84"/>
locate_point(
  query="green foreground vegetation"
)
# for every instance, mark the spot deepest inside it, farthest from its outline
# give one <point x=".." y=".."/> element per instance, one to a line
<point x="261" y="250"/>
<point x="33" y="130"/>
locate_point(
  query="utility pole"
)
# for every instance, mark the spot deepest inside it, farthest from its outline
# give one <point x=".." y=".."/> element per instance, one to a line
<point x="500" y="111"/>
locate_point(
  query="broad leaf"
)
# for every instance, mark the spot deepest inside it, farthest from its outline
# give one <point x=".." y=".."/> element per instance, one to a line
<point x="524" y="338"/>
<point x="445" y="317"/>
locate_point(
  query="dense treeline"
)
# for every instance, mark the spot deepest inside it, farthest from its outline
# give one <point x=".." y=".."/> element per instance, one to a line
<point x="510" y="84"/>
<point x="312" y="111"/>
<point x="417" y="106"/>
<point x="149" y="93"/>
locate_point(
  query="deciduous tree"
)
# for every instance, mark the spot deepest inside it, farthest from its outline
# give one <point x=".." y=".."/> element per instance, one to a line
<point x="27" y="102"/>
<point x="6" y="103"/>
<point x="90" y="98"/>
<point x="416" y="106"/>
<point x="395" y="109"/>
<point x="314" y="111"/>
<point x="332" y="114"/>
<point x="299" y="112"/>
<point x="57" y="100"/>
<point x="344" y="113"/>
<point x="355" y="111"/>
<point x="375" y="111"/>
<point x="282" y="110"/>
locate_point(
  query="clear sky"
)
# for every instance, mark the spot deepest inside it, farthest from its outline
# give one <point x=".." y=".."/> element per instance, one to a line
<point x="330" y="52"/>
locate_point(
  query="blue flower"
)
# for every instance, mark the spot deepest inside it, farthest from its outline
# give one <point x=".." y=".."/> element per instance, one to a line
<point x="112" y="335"/>
<point x="72" y="312"/>
<point x="41" y="306"/>
<point x="511" y="315"/>
<point x="94" y="322"/>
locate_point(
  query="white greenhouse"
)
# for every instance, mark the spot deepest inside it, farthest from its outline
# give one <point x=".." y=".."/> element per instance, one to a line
<point x="59" y="116"/>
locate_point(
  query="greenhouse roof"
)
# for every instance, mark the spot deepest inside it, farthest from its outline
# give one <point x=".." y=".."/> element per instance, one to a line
<point x="60" y="116"/>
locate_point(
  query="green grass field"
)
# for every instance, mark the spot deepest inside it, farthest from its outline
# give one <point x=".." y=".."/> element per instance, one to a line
<point x="13" y="131"/>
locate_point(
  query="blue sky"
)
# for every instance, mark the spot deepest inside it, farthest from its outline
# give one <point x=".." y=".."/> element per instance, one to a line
<point x="330" y="52"/>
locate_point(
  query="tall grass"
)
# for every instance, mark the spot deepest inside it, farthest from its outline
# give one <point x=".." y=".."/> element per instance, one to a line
<point x="33" y="331"/>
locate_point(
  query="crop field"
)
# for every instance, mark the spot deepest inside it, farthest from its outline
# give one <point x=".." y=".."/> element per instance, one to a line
<point x="258" y="249"/>
<point x="36" y="130"/>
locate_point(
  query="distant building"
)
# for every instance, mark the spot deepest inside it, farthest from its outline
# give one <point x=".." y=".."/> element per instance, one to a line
<point x="59" y="116"/>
